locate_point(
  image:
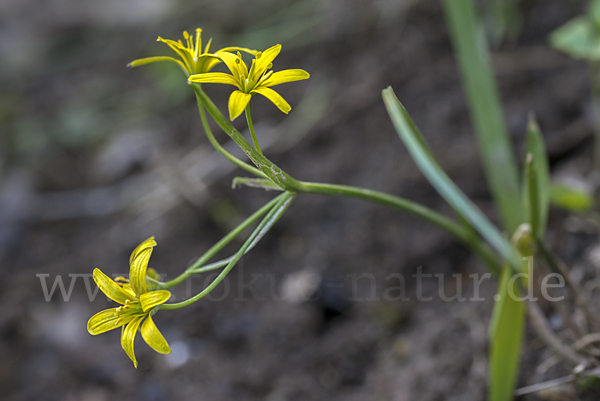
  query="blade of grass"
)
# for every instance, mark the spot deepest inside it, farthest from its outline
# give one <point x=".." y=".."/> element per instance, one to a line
<point x="536" y="180"/>
<point x="442" y="183"/>
<point x="506" y="337"/>
<point x="486" y="110"/>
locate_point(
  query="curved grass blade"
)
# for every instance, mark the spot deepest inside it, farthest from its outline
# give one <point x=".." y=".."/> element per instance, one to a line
<point x="486" y="110"/>
<point x="442" y="183"/>
<point x="536" y="180"/>
<point x="506" y="338"/>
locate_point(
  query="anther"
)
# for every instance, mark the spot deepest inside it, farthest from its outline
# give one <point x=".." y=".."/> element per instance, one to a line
<point x="258" y="55"/>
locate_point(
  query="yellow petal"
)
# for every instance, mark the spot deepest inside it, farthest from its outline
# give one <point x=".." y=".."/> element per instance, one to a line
<point x="214" y="78"/>
<point x="281" y="77"/>
<point x="237" y="103"/>
<point x="150" y="299"/>
<point x="138" y="265"/>
<point x="179" y="49"/>
<point x="262" y="63"/>
<point x="127" y="288"/>
<point x="137" y="272"/>
<point x="148" y="60"/>
<point x="149" y="243"/>
<point x="110" y="288"/>
<point x="104" y="321"/>
<point x="154" y="338"/>
<point x="238" y="49"/>
<point x="236" y="65"/>
<point x="128" y="336"/>
<point x="275" y="98"/>
<point x="205" y="63"/>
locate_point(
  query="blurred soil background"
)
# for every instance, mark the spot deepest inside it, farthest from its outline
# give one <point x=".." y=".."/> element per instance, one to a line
<point x="95" y="158"/>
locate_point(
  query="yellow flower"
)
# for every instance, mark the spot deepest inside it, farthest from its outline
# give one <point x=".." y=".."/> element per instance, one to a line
<point x="193" y="60"/>
<point x="255" y="80"/>
<point x="137" y="304"/>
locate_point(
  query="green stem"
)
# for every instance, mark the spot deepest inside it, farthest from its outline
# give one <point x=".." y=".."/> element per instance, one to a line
<point x="461" y="232"/>
<point x="219" y="148"/>
<point x="464" y="233"/>
<point x="271" y="170"/>
<point x="283" y="202"/>
<point x="195" y="268"/>
<point x="251" y="128"/>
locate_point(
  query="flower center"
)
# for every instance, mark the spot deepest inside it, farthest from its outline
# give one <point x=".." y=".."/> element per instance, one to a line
<point x="128" y="310"/>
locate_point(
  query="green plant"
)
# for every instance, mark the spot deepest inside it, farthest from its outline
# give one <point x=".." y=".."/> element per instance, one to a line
<point x="522" y="197"/>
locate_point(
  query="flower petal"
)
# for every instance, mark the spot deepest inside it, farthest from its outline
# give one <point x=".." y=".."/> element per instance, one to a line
<point x="148" y="60"/>
<point x="275" y="98"/>
<point x="138" y="265"/>
<point x="127" y="288"/>
<point x="128" y="336"/>
<point x="238" y="49"/>
<point x="104" y="321"/>
<point x="261" y="63"/>
<point x="281" y="77"/>
<point x="150" y="299"/>
<point x="214" y="78"/>
<point x="205" y="63"/>
<point x="154" y="338"/>
<point x="236" y="65"/>
<point x="237" y="103"/>
<point x="137" y="272"/>
<point x="149" y="243"/>
<point x="110" y="288"/>
<point x="178" y="48"/>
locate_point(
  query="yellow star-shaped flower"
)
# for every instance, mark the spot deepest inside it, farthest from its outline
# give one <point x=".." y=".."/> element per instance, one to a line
<point x="137" y="304"/>
<point x="258" y="79"/>
<point x="193" y="59"/>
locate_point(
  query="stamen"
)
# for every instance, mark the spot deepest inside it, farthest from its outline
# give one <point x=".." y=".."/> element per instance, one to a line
<point x="258" y="55"/>
<point x="208" y="45"/>
<point x="267" y="75"/>
<point x="118" y="321"/>
<point x="270" y="66"/>
<point x="188" y="39"/>
<point x="198" y="43"/>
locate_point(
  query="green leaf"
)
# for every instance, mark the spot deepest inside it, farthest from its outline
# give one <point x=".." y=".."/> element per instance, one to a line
<point x="536" y="180"/>
<point x="570" y="198"/>
<point x="578" y="38"/>
<point x="255" y="183"/>
<point x="441" y="182"/>
<point x="486" y="110"/>
<point x="506" y="337"/>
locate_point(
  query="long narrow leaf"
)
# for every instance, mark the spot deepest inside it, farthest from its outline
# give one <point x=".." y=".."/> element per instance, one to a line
<point x="506" y="337"/>
<point x="486" y="110"/>
<point x="442" y="183"/>
<point x="539" y="179"/>
<point x="531" y="202"/>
